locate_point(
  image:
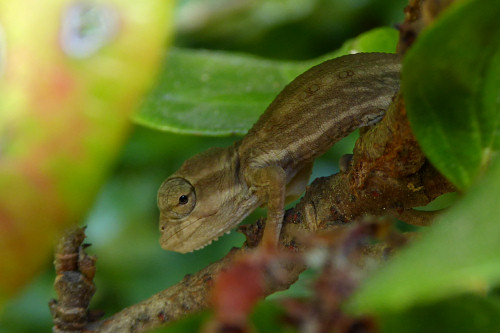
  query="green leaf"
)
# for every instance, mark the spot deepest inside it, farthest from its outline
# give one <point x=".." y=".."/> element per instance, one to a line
<point x="376" y="40"/>
<point x="269" y="316"/>
<point x="459" y="253"/>
<point x="463" y="314"/>
<point x="217" y="93"/>
<point x="212" y="93"/>
<point x="451" y="84"/>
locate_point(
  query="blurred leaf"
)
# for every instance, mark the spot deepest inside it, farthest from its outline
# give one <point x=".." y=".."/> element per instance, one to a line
<point x="280" y="29"/>
<point x="463" y="314"/>
<point x="376" y="40"/>
<point x="270" y="317"/>
<point x="242" y="18"/>
<point x="459" y="253"/>
<point x="28" y="312"/>
<point x="451" y="83"/>
<point x="73" y="73"/>
<point x="216" y="93"/>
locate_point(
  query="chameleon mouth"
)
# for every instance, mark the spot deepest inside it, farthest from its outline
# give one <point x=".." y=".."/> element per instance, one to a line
<point x="216" y="238"/>
<point x="181" y="239"/>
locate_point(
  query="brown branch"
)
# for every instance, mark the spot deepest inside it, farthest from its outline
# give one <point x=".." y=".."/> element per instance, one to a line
<point x="388" y="176"/>
<point x="75" y="271"/>
<point x="190" y="295"/>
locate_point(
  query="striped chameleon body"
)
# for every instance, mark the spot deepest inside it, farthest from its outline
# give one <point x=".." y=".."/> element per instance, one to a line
<point x="215" y="190"/>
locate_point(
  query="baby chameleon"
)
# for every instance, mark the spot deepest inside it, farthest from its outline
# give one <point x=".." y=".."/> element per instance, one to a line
<point x="214" y="191"/>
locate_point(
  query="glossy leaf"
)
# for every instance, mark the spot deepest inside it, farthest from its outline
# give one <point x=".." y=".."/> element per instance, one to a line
<point x="212" y="93"/>
<point x="217" y="93"/>
<point x="459" y="253"/>
<point x="451" y="84"/>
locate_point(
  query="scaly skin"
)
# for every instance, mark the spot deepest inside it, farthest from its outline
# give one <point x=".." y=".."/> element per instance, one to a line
<point x="214" y="191"/>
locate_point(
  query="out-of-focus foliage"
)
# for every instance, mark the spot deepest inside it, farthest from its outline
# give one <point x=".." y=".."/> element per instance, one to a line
<point x="461" y="314"/>
<point x="71" y="74"/>
<point x="284" y="29"/>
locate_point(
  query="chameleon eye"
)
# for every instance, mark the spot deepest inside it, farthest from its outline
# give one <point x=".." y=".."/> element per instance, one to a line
<point x="183" y="199"/>
<point x="176" y="198"/>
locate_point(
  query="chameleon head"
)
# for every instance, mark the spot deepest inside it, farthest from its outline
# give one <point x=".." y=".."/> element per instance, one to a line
<point x="202" y="200"/>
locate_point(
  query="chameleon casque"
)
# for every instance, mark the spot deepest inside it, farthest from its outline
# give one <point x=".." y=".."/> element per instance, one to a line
<point x="214" y="191"/>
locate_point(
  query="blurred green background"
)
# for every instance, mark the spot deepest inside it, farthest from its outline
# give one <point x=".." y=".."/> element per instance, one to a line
<point x="122" y="223"/>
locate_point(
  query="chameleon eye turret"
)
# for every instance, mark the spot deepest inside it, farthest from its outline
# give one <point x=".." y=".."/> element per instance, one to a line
<point x="176" y="198"/>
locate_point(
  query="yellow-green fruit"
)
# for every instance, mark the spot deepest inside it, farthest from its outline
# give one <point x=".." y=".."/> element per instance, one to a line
<point x="71" y="73"/>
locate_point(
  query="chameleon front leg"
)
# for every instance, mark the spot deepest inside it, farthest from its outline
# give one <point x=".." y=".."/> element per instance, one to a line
<point x="270" y="184"/>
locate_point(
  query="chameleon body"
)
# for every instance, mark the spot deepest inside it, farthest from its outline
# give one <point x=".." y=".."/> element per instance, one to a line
<point x="215" y="190"/>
